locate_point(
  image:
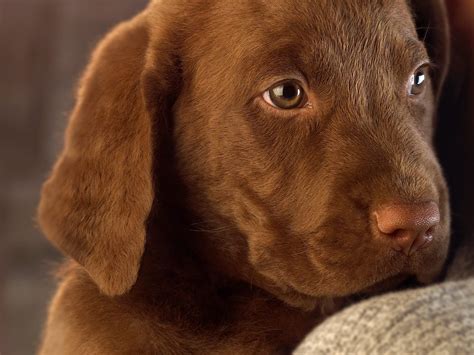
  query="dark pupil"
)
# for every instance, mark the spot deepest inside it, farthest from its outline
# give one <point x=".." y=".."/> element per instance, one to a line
<point x="286" y="95"/>
<point x="419" y="79"/>
<point x="289" y="92"/>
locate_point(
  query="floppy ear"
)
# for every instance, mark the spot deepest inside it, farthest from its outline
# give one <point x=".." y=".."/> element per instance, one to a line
<point x="95" y="205"/>
<point x="431" y="19"/>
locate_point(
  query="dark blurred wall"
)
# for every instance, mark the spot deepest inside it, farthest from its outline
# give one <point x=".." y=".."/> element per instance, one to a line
<point x="456" y="128"/>
<point x="45" y="45"/>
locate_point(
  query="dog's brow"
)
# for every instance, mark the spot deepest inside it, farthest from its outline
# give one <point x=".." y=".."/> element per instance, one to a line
<point x="417" y="51"/>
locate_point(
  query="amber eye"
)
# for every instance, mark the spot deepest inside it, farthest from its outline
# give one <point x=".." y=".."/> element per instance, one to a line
<point x="287" y="95"/>
<point x="418" y="80"/>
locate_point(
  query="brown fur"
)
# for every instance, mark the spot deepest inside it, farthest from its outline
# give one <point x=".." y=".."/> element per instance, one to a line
<point x="202" y="221"/>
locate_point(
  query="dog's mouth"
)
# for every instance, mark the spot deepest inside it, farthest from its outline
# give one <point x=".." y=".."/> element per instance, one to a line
<point x="300" y="299"/>
<point x="391" y="270"/>
<point x="404" y="278"/>
<point x="407" y="271"/>
<point x="400" y="270"/>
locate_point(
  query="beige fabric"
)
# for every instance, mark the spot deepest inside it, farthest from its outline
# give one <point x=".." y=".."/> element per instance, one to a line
<point x="438" y="319"/>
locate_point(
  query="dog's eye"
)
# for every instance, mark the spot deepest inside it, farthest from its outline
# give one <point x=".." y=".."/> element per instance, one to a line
<point x="287" y="95"/>
<point x="418" y="80"/>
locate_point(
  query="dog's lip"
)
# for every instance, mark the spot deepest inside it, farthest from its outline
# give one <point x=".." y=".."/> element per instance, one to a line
<point x="378" y="286"/>
<point x="402" y="267"/>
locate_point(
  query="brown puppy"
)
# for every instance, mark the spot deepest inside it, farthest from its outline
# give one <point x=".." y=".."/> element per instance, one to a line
<point x="234" y="170"/>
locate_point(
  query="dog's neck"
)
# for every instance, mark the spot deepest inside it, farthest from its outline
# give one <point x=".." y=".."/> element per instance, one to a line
<point x="182" y="280"/>
<point x="185" y="272"/>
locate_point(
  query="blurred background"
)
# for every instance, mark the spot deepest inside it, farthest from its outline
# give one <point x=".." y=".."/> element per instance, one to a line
<point x="45" y="45"/>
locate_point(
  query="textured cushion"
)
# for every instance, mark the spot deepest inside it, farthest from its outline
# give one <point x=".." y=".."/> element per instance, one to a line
<point x="438" y="319"/>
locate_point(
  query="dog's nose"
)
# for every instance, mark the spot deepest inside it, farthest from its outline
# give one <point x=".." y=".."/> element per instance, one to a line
<point x="408" y="227"/>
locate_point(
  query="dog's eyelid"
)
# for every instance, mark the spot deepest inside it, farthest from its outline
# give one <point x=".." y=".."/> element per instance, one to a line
<point x="423" y="64"/>
<point x="270" y="80"/>
<point x="426" y="63"/>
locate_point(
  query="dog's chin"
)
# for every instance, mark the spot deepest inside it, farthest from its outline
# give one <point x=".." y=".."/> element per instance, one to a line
<point x="329" y="304"/>
<point x="299" y="300"/>
<point x="426" y="278"/>
<point x="406" y="273"/>
<point x="403" y="280"/>
<point x="409" y="277"/>
<point x="290" y="296"/>
<point x="324" y="306"/>
<point x="390" y="283"/>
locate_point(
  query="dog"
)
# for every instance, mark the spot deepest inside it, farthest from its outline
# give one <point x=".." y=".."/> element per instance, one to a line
<point x="236" y="171"/>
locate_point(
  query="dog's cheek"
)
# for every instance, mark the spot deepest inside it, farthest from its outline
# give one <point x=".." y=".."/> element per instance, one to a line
<point x="422" y="114"/>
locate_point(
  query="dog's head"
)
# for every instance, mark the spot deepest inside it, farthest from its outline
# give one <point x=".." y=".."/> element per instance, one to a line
<point x="301" y="133"/>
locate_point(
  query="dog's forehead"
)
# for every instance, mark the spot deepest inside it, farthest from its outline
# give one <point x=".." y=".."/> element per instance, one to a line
<point x="342" y="25"/>
<point x="242" y="44"/>
<point x="322" y="17"/>
<point x="345" y="27"/>
<point x="331" y="11"/>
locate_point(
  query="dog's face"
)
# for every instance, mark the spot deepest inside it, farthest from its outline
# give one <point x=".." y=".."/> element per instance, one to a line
<point x="301" y="131"/>
<point x="300" y="124"/>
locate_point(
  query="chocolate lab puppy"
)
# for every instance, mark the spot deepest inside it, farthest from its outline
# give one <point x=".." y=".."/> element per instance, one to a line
<point x="234" y="171"/>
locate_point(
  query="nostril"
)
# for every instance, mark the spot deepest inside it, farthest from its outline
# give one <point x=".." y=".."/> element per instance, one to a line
<point x="431" y="230"/>
<point x="407" y="227"/>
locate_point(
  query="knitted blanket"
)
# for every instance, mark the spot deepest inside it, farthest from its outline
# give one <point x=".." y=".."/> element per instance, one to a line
<point x="437" y="319"/>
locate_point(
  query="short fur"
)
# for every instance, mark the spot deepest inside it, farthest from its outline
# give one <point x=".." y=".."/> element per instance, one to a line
<point x="201" y="220"/>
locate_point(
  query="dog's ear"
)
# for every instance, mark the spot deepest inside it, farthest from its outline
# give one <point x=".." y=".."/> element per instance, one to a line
<point x="95" y="205"/>
<point x="432" y="24"/>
